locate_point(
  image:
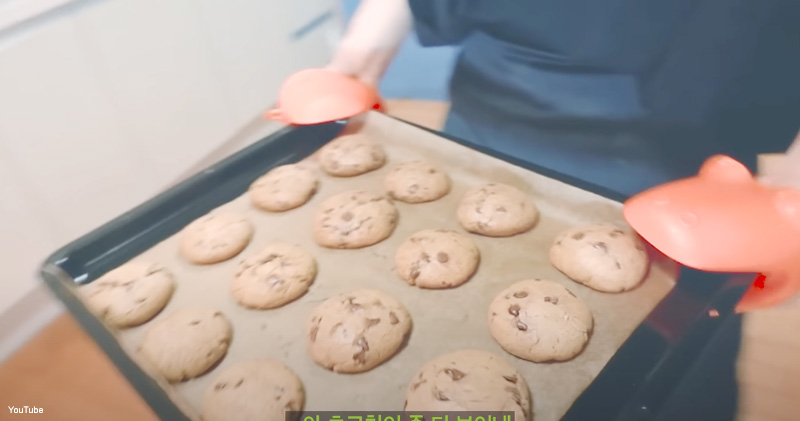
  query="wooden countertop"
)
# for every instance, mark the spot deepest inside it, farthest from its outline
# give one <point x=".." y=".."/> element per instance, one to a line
<point x="62" y="371"/>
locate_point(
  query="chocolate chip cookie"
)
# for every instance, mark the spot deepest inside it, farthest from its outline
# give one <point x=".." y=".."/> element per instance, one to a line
<point x="540" y="320"/>
<point x="351" y="155"/>
<point x="253" y="390"/>
<point x="602" y="257"/>
<point x="437" y="259"/>
<point x="354" y="219"/>
<point x="416" y="182"/>
<point x="186" y="343"/>
<point x="469" y="380"/>
<point x="215" y="237"/>
<point x="131" y="294"/>
<point x="497" y="210"/>
<point x="274" y="276"/>
<point x="356" y="331"/>
<point x="284" y="188"/>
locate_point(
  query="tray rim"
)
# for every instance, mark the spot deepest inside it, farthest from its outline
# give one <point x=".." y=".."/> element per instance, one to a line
<point x="62" y="283"/>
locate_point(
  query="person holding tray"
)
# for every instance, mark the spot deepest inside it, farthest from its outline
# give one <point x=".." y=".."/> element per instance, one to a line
<point x="624" y="94"/>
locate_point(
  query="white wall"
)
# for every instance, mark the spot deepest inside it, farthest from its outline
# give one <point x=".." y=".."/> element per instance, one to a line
<point x="103" y="103"/>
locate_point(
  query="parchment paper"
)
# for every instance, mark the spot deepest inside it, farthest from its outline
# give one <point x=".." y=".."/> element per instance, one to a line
<point x="444" y="320"/>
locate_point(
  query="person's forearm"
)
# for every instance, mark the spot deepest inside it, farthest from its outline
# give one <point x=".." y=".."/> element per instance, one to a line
<point x="372" y="39"/>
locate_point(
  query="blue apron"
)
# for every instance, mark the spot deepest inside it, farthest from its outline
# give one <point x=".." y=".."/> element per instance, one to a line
<point x="623" y="93"/>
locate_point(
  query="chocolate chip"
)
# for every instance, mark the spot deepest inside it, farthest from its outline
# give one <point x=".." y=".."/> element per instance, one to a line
<point x="501" y="209"/>
<point x="601" y="246"/>
<point x="313" y="333"/>
<point x="353" y="306"/>
<point x="514" y="394"/>
<point x="618" y="265"/>
<point x="220" y="386"/>
<point x="270" y="257"/>
<point x="431" y="171"/>
<point x="553" y="300"/>
<point x="239" y="383"/>
<point x="454" y="374"/>
<point x="440" y="396"/>
<point x="347" y="216"/>
<point x="578" y="236"/>
<point x="372" y="322"/>
<point x="558" y="243"/>
<point x="522" y="326"/>
<point x="194" y="322"/>
<point x="218" y="314"/>
<point x="514" y="310"/>
<point x="511" y="379"/>
<point x="520" y="294"/>
<point x="393" y="318"/>
<point x="361" y="356"/>
<point x="442" y="257"/>
<point x="362" y="343"/>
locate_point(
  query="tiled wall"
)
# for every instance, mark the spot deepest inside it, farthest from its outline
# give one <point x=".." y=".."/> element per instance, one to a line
<point x="105" y="103"/>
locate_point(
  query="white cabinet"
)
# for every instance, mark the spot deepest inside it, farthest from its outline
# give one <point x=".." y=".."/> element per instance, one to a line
<point x="105" y="103"/>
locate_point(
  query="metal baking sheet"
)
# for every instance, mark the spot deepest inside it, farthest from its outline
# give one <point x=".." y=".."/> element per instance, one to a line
<point x="148" y="233"/>
<point x="460" y="314"/>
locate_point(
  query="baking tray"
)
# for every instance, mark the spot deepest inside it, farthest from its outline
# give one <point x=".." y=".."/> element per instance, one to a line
<point x="631" y="385"/>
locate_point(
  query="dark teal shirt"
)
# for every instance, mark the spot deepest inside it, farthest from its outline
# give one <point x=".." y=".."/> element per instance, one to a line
<point x="731" y="67"/>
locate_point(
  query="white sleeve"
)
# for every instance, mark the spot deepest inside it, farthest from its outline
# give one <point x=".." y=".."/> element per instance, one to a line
<point x="372" y="38"/>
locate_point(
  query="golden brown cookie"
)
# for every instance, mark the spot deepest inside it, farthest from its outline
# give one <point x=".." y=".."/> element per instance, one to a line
<point x="356" y="331"/>
<point x="469" y="380"/>
<point x="261" y="390"/>
<point x="351" y="155"/>
<point x="497" y="210"/>
<point x="416" y="182"/>
<point x="274" y="276"/>
<point x="131" y="294"/>
<point x="437" y="259"/>
<point x="284" y="188"/>
<point x="186" y="343"/>
<point x="602" y="257"/>
<point x="539" y="320"/>
<point x="354" y="219"/>
<point x="215" y="237"/>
